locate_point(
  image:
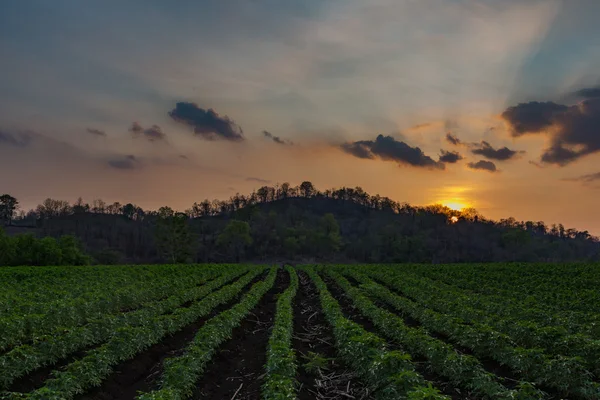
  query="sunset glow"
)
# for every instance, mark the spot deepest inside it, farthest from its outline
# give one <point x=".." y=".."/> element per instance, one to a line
<point x="454" y="205"/>
<point x="451" y="107"/>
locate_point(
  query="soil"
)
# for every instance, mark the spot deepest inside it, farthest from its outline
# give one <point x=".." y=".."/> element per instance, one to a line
<point x="143" y="372"/>
<point x="313" y="334"/>
<point x="419" y="362"/>
<point x="238" y="367"/>
<point x="36" y="378"/>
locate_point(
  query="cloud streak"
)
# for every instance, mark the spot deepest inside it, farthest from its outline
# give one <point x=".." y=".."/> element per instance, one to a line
<point x="96" y="132"/>
<point x="207" y="124"/>
<point x="277" y="139"/>
<point x="15" y="139"/>
<point x="452" y="139"/>
<point x="127" y="162"/>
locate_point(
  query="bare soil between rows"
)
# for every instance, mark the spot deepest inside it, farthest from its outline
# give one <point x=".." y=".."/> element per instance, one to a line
<point x="143" y="372"/>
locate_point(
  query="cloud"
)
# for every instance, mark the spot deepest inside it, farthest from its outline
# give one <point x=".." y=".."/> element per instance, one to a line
<point x="589" y="93"/>
<point x="589" y="178"/>
<point x="277" y="139"/>
<point x="19" y="139"/>
<point x="452" y="139"/>
<point x="532" y="117"/>
<point x="96" y="132"/>
<point x="535" y="163"/>
<point x="360" y="149"/>
<point x="483" y="165"/>
<point x="207" y="123"/>
<point x="259" y="180"/>
<point x="421" y="126"/>
<point x="573" y="129"/>
<point x="486" y="150"/>
<point x="389" y="149"/>
<point x="136" y="128"/>
<point x="124" y="162"/>
<point x="153" y="134"/>
<point x="450" y="157"/>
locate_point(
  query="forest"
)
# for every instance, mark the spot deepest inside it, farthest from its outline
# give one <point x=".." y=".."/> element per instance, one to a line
<point x="292" y="224"/>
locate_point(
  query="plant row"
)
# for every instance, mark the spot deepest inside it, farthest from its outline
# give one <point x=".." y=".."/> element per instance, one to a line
<point x="51" y="348"/>
<point x="524" y="302"/>
<point x="280" y="380"/>
<point x="388" y="374"/>
<point x="126" y="343"/>
<point x="554" y="340"/>
<point x="461" y="370"/>
<point x="564" y="374"/>
<point x="181" y="373"/>
<point x="60" y="315"/>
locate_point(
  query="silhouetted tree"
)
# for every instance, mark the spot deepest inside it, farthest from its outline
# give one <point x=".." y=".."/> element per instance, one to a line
<point x="8" y="207"/>
<point x="235" y="237"/>
<point x="173" y="236"/>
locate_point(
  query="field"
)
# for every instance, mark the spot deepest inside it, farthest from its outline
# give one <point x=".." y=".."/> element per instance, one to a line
<point x="503" y="331"/>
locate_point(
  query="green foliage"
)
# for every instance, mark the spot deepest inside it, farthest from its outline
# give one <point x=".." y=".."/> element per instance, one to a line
<point x="538" y="321"/>
<point x="126" y="342"/>
<point x="173" y="236"/>
<point x="26" y="249"/>
<point x="52" y="345"/>
<point x="8" y="206"/>
<point x="389" y="375"/>
<point x="280" y="380"/>
<point x="235" y="237"/>
<point x="182" y="372"/>
<point x="7" y="249"/>
<point x="315" y="362"/>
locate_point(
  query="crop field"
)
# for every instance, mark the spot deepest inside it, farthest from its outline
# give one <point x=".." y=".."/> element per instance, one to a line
<point x="498" y="331"/>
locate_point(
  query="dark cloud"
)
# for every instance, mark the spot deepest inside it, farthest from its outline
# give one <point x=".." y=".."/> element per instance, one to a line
<point x="360" y="149"/>
<point x="207" y="123"/>
<point x="153" y="134"/>
<point x="486" y="150"/>
<point x="136" y="128"/>
<point x="96" y="132"/>
<point x="533" y="117"/>
<point x="589" y="93"/>
<point x="483" y="165"/>
<point x="277" y="139"/>
<point x="389" y="149"/>
<point x="259" y="180"/>
<point x="124" y="162"/>
<point x="452" y="139"/>
<point x="19" y="139"/>
<point x="574" y="130"/>
<point x="450" y="157"/>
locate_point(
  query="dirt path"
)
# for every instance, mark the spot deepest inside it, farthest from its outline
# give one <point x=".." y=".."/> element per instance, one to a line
<point x="239" y="365"/>
<point x="325" y="376"/>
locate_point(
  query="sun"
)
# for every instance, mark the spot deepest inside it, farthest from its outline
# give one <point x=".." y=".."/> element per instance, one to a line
<point x="454" y="205"/>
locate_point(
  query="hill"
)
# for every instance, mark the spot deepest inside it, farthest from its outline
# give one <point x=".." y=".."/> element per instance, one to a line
<point x="303" y="224"/>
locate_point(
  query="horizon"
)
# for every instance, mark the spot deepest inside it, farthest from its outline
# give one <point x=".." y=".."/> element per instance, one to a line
<point x="489" y="105"/>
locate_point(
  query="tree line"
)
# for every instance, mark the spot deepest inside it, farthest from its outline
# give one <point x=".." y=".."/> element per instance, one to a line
<point x="299" y="222"/>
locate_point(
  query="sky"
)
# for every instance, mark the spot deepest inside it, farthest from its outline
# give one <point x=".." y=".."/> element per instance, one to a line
<point x="488" y="104"/>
